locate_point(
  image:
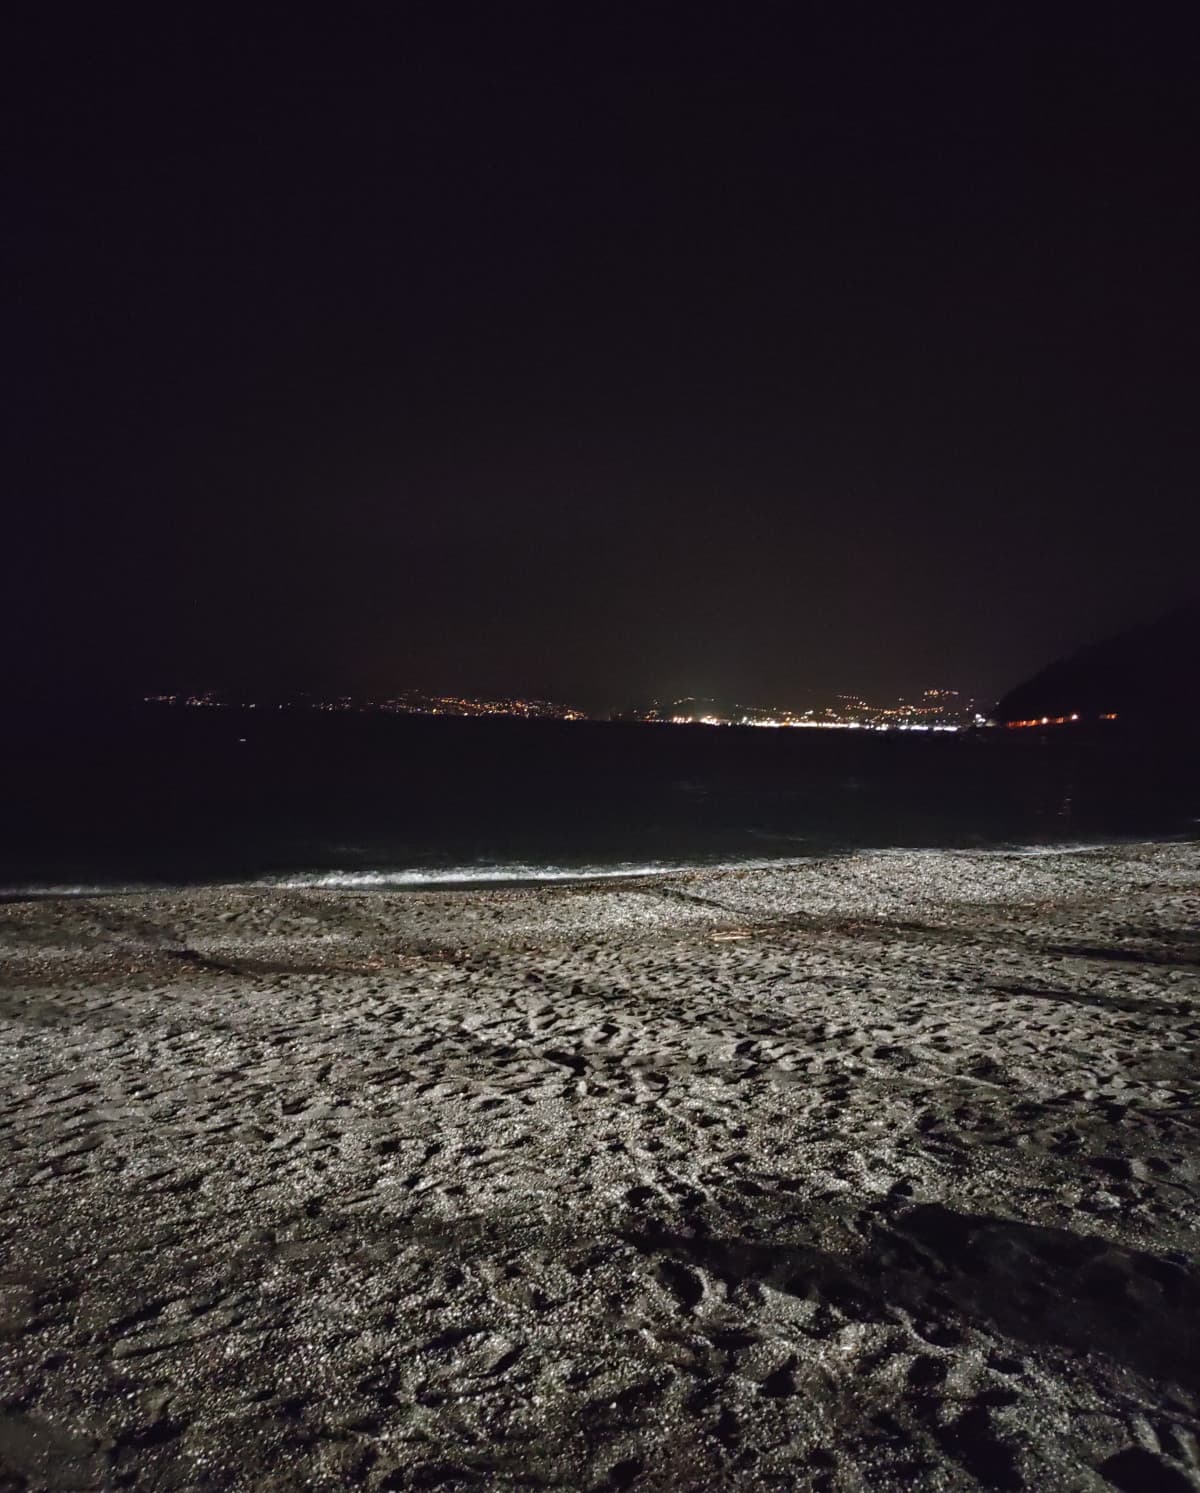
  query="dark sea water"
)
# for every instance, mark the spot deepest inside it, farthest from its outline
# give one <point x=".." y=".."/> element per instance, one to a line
<point x="192" y="796"/>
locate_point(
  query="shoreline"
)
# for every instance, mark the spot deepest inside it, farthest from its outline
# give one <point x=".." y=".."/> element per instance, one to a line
<point x="520" y="876"/>
<point x="875" y="1170"/>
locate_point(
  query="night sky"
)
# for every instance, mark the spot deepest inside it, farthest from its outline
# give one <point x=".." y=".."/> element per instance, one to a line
<point x="598" y="352"/>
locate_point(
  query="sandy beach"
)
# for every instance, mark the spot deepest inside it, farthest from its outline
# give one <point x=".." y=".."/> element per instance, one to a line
<point x="879" y="1172"/>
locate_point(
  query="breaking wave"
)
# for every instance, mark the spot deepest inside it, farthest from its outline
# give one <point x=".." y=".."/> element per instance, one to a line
<point x="453" y="876"/>
<point x="502" y="874"/>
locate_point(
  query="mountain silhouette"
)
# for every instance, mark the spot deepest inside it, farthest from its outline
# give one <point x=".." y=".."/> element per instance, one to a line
<point x="1148" y="676"/>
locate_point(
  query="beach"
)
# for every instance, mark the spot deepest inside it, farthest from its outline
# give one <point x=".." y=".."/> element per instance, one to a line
<point x="869" y="1172"/>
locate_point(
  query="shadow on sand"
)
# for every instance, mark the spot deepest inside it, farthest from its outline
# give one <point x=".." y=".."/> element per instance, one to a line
<point x="1046" y="1287"/>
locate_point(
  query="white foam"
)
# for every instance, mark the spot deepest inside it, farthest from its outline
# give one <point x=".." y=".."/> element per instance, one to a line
<point x="521" y="873"/>
<point x="467" y="875"/>
<point x="39" y="889"/>
<point x="517" y="873"/>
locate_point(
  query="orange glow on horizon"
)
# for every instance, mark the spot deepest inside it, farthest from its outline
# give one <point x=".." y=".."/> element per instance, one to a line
<point x="1055" y="720"/>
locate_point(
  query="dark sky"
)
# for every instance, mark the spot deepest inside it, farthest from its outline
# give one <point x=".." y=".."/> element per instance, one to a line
<point x="598" y="351"/>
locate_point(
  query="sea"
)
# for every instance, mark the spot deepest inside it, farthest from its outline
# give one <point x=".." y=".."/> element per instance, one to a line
<point x="163" y="797"/>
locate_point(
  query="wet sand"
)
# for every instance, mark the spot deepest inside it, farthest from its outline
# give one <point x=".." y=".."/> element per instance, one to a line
<point x="869" y="1173"/>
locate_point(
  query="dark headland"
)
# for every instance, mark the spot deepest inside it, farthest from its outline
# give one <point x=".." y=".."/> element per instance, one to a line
<point x="1147" y="678"/>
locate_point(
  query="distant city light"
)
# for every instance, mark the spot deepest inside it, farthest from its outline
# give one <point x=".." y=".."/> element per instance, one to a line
<point x="409" y="703"/>
<point x="933" y="710"/>
<point x="1055" y="720"/>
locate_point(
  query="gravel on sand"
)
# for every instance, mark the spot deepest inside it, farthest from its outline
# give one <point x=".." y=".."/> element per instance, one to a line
<point x="865" y="1173"/>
